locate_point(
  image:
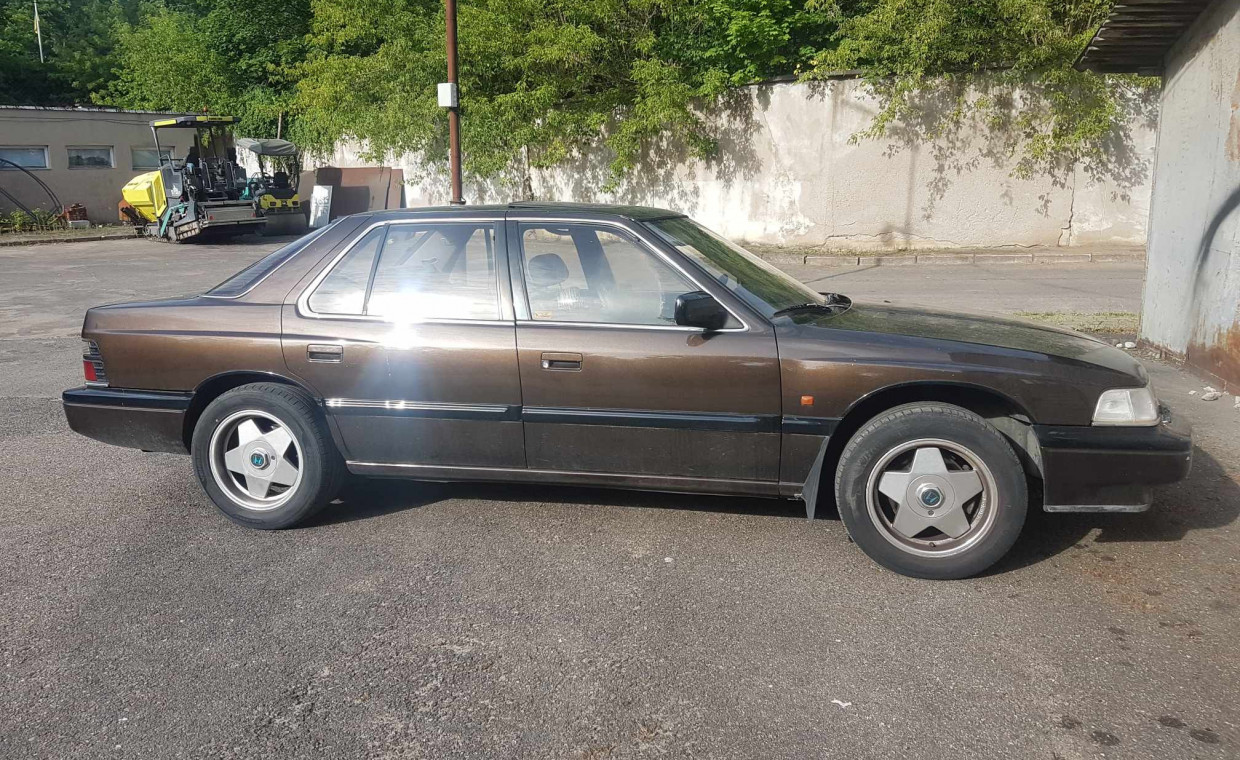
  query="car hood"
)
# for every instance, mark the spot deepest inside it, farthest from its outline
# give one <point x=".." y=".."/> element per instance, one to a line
<point x="978" y="330"/>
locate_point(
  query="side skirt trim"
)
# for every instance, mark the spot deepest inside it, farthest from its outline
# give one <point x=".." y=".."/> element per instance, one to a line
<point x="564" y="477"/>
<point x="1115" y="508"/>
<point x="809" y="425"/>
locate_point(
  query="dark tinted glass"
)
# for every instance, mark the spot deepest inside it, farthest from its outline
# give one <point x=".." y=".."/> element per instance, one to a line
<point x="247" y="278"/>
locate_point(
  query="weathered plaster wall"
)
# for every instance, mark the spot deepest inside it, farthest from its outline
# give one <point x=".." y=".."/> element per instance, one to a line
<point x="788" y="173"/>
<point x="1192" y="285"/>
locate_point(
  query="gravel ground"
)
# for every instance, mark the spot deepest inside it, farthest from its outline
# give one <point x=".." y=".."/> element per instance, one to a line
<point x="495" y="621"/>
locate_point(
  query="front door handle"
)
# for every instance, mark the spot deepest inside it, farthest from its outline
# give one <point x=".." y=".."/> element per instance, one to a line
<point x="561" y="362"/>
<point x="324" y="352"/>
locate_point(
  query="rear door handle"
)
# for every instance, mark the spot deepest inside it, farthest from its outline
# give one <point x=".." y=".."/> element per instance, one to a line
<point x="561" y="362"/>
<point x="324" y="352"/>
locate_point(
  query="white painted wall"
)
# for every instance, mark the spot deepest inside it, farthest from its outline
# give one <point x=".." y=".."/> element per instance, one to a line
<point x="1192" y="287"/>
<point x="789" y="174"/>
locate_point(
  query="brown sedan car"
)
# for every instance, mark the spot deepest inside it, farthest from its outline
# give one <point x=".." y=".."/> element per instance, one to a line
<point x="625" y="347"/>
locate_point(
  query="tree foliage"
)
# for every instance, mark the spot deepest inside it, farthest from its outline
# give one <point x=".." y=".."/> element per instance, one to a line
<point x="78" y="44"/>
<point x="736" y="42"/>
<point x="228" y="56"/>
<point x="542" y="79"/>
<point x="539" y="78"/>
<point x="933" y="63"/>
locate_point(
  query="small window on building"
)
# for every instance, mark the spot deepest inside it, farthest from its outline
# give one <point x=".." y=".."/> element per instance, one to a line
<point x="148" y="158"/>
<point x="25" y="156"/>
<point x="92" y="157"/>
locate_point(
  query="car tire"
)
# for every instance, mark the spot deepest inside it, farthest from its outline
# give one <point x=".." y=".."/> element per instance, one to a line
<point x="931" y="490"/>
<point x="264" y="456"/>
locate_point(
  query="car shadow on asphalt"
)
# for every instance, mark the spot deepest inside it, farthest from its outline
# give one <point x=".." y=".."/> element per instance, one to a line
<point x="365" y="498"/>
<point x="1208" y="498"/>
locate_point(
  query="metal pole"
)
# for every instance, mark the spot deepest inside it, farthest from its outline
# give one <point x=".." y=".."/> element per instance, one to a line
<point x="454" y="113"/>
<point x="37" y="31"/>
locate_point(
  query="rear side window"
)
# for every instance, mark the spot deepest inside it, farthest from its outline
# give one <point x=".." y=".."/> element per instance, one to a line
<point x="242" y="281"/>
<point x="343" y="291"/>
<point x="413" y="272"/>
<point x="443" y="271"/>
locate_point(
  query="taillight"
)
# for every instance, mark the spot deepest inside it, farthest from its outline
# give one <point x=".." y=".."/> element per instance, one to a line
<point x="92" y="364"/>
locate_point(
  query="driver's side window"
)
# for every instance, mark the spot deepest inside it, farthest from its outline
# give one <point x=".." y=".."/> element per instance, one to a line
<point x="587" y="273"/>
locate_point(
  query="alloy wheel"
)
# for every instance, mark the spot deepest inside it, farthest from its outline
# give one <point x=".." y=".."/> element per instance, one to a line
<point x="256" y="460"/>
<point x="931" y="497"/>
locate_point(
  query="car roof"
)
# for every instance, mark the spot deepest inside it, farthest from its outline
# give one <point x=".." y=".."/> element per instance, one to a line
<point x="582" y="210"/>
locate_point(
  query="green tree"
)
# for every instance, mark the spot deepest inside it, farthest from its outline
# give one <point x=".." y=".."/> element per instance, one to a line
<point x="543" y="79"/>
<point x="78" y="42"/>
<point x="227" y="56"/>
<point x="164" y="64"/>
<point x="742" y="41"/>
<point x="934" y="63"/>
<point x="540" y="79"/>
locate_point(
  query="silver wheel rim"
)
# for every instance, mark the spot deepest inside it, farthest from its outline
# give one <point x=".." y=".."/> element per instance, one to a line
<point x="931" y="497"/>
<point x="256" y="460"/>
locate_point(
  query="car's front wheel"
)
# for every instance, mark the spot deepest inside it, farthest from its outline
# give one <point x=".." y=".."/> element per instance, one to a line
<point x="264" y="456"/>
<point x="932" y="491"/>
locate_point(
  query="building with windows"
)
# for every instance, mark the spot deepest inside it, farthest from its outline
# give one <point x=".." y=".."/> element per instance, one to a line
<point x="85" y="155"/>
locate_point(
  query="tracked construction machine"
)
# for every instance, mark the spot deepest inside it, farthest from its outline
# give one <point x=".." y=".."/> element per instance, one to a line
<point x="198" y="195"/>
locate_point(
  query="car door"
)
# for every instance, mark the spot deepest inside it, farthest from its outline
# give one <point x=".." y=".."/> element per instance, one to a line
<point x="611" y="384"/>
<point x="408" y="335"/>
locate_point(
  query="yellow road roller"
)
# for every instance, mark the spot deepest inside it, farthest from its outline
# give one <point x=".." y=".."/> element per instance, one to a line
<point x="274" y="188"/>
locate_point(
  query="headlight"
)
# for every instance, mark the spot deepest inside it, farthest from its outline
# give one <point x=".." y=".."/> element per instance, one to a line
<point x="1127" y="406"/>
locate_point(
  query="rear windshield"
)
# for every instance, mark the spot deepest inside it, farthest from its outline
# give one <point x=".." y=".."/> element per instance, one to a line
<point x="247" y="278"/>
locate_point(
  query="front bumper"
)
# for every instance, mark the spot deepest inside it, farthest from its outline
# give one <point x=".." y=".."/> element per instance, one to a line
<point x="147" y="420"/>
<point x="1111" y="469"/>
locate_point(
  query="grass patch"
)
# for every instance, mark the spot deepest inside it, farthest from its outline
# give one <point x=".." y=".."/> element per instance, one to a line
<point x="1091" y="322"/>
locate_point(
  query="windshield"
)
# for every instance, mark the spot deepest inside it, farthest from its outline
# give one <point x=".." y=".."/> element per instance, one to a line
<point x="247" y="278"/>
<point x="756" y="282"/>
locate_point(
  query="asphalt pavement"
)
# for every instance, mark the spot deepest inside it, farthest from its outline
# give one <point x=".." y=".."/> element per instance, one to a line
<point x="440" y="620"/>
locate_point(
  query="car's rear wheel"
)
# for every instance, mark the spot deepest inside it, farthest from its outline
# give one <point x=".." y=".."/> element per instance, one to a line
<point x="264" y="456"/>
<point x="931" y="491"/>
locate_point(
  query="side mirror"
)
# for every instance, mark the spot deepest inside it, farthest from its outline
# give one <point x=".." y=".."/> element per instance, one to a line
<point x="700" y="309"/>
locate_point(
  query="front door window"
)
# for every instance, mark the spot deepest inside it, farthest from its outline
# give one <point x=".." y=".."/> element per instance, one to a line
<point x="582" y="273"/>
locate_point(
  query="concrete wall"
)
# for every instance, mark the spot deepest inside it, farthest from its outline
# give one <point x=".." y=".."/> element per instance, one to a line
<point x="98" y="189"/>
<point x="789" y="174"/>
<point x="1191" y="304"/>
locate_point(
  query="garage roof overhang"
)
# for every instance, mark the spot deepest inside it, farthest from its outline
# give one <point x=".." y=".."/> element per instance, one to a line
<point x="1136" y="36"/>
